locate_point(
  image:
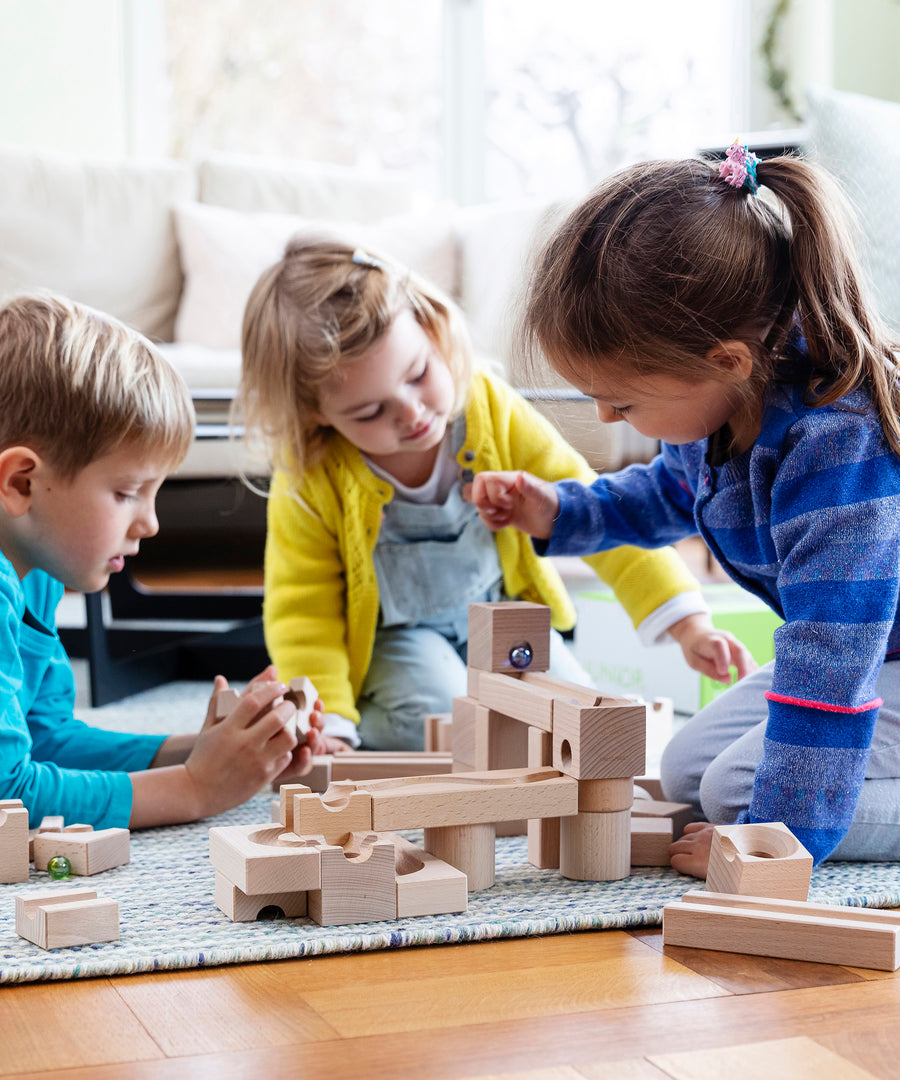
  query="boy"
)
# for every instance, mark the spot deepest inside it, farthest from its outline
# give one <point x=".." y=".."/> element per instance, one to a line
<point x="93" y="418"/>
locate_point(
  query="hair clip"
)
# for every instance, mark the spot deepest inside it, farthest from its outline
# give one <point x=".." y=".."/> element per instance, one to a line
<point x="362" y="258"/>
<point x="739" y="167"/>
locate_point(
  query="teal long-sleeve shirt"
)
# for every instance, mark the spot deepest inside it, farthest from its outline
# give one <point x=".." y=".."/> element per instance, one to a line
<point x="54" y="763"/>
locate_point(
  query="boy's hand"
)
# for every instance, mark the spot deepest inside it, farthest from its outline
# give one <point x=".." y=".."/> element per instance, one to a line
<point x="710" y="651"/>
<point x="690" y="854"/>
<point x="514" y="498"/>
<point x="236" y="757"/>
<point x="268" y="674"/>
<point x="317" y="743"/>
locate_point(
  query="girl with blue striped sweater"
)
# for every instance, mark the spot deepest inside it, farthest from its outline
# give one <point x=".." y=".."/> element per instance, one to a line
<point x="736" y="330"/>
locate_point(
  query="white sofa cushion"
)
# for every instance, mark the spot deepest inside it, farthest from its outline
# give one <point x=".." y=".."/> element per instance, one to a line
<point x="224" y="251"/>
<point x="98" y="232"/>
<point x="310" y="189"/>
<point x="857" y="139"/>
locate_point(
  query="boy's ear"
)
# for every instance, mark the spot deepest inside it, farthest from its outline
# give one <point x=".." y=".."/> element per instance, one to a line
<point x="17" y="468"/>
<point x="734" y="358"/>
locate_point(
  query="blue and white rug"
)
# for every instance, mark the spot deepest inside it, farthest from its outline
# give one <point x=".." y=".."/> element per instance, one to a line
<point x="169" y="920"/>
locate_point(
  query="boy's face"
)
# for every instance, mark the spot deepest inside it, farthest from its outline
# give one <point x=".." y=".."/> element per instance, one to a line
<point x="80" y="530"/>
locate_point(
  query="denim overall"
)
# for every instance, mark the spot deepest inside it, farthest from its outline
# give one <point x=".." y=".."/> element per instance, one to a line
<point x="431" y="562"/>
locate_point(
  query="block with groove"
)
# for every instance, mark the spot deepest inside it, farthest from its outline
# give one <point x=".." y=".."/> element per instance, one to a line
<point x="763" y="859"/>
<point x="341" y="810"/>
<point x="497" y="630"/>
<point x="530" y="704"/>
<point x="599" y="742"/>
<point x="426" y="885"/>
<point x="359" y="882"/>
<point x="59" y="919"/>
<point x="242" y="907"/>
<point x="791" y="930"/>
<point x="265" y="858"/>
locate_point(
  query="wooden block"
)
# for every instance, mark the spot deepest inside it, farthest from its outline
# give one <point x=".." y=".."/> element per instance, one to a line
<point x="437" y="733"/>
<point x="562" y="688"/>
<point x="532" y="705"/>
<point x="426" y="885"/>
<point x="286" y="795"/>
<point x="595" y="847"/>
<point x="506" y="747"/>
<point x="342" y="810"/>
<point x="469" y="798"/>
<point x="378" y="764"/>
<point x="51" y="823"/>
<point x="58" y="919"/>
<point x="651" y="839"/>
<point x="14" y="845"/>
<point x="265" y="858"/>
<point x="759" y="860"/>
<point x="302" y="694"/>
<point x="680" y="814"/>
<point x="791" y="930"/>
<point x="605" y="796"/>
<point x="239" y="907"/>
<point x="359" y="884"/>
<point x="543" y="833"/>
<point x="78" y="827"/>
<point x="470" y="848"/>
<point x="88" y="852"/>
<point x="495" y="630"/>
<point x="462" y="730"/>
<point x="593" y="743"/>
<point x="226" y="702"/>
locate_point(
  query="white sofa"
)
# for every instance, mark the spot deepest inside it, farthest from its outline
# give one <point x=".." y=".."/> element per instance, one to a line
<point x="173" y="249"/>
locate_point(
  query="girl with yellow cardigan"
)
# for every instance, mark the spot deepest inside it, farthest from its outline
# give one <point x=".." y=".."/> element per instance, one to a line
<point x="358" y="378"/>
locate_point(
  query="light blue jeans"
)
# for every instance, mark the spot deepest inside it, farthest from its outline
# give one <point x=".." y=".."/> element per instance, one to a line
<point x="710" y="763"/>
<point x="417" y="671"/>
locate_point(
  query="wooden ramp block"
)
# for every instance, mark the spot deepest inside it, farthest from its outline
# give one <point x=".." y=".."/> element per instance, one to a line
<point x="598" y="742"/>
<point x="651" y="839"/>
<point x="495" y="630"/>
<point x="759" y="860"/>
<point x="523" y="701"/>
<point x="426" y="885"/>
<point x="595" y="847"/>
<point x="679" y="814"/>
<point x="88" y="852"/>
<point x="240" y="907"/>
<point x="562" y="688"/>
<point x="359" y="883"/>
<point x="265" y="858"/>
<point x="470" y="798"/>
<point x="14" y="844"/>
<point x="58" y="919"/>
<point x="789" y="929"/>
<point x="470" y="848"/>
<point x="382" y="764"/>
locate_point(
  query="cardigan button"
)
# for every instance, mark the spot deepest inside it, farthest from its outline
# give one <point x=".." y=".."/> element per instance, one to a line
<point x="469" y="455"/>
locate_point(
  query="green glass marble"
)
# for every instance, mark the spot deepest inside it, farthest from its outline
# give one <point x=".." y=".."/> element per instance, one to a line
<point x="59" y="867"/>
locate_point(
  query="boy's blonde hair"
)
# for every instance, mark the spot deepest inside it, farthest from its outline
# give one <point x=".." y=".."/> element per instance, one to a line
<point x="325" y="302"/>
<point x="76" y="384"/>
<point x="665" y="260"/>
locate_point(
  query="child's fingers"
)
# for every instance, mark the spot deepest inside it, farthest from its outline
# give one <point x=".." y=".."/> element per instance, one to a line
<point x="219" y="683"/>
<point x="256" y="701"/>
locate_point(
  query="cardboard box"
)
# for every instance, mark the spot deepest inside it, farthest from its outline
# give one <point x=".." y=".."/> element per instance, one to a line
<point x="609" y="649"/>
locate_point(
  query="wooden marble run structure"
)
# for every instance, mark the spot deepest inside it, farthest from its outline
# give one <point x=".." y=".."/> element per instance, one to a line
<point x="525" y="748"/>
<point x="755" y="902"/>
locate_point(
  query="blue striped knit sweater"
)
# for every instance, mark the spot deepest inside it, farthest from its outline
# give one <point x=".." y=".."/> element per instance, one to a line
<point x="808" y="519"/>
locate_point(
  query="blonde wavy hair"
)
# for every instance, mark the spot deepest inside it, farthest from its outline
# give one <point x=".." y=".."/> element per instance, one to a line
<point x="323" y="303"/>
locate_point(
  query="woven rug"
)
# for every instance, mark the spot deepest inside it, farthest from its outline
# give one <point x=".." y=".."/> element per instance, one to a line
<point x="169" y="920"/>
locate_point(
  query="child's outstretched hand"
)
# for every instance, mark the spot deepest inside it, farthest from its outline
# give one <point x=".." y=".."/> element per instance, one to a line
<point x="514" y="498"/>
<point x="710" y="651"/>
<point x="690" y="854"/>
<point x="317" y="742"/>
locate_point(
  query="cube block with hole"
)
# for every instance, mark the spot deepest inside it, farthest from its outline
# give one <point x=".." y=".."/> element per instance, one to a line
<point x="510" y="636"/>
<point x="759" y="859"/>
<point x="596" y="742"/>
